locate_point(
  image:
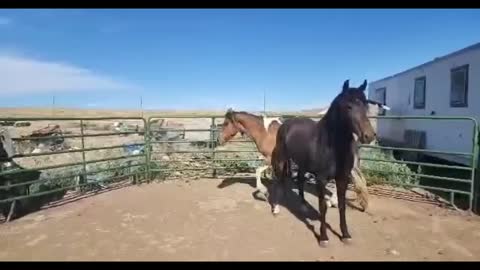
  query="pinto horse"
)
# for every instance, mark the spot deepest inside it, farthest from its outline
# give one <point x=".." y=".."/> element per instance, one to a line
<point x="326" y="148"/>
<point x="263" y="131"/>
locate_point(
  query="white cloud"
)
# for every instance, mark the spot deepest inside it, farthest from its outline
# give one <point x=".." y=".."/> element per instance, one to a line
<point x="5" y="21"/>
<point x="21" y="75"/>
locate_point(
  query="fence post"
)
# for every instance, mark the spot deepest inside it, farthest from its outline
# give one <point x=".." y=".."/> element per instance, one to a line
<point x="83" y="178"/>
<point x="146" y="138"/>
<point x="474" y="186"/>
<point x="212" y="145"/>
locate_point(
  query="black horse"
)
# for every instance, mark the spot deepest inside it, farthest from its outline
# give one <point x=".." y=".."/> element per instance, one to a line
<point x="326" y="149"/>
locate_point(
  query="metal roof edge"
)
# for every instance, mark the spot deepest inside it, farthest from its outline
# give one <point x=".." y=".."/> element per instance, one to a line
<point x="435" y="60"/>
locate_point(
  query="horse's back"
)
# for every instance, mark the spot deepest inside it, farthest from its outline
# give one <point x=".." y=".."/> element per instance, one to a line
<point x="273" y="125"/>
<point x="302" y="142"/>
<point x="296" y="135"/>
<point x="266" y="145"/>
<point x="298" y="129"/>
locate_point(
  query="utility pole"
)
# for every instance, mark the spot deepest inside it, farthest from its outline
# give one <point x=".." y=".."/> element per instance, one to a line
<point x="141" y="105"/>
<point x="53" y="105"/>
<point x="264" y="102"/>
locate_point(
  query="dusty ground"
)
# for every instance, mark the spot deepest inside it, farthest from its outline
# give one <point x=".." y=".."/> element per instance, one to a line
<point x="215" y="220"/>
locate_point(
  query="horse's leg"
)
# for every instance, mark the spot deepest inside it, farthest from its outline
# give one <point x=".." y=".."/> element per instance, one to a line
<point x="301" y="192"/>
<point x="259" y="186"/>
<point x="278" y="186"/>
<point x="278" y="192"/>
<point x="332" y="200"/>
<point x="342" y="183"/>
<point x="322" y="209"/>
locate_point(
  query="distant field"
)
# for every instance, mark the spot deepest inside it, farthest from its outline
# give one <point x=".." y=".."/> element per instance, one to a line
<point x="71" y="112"/>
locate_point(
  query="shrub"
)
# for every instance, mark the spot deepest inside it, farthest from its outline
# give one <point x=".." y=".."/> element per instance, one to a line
<point x="377" y="172"/>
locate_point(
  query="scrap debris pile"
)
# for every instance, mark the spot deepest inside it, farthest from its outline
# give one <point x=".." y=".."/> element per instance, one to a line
<point x="49" y="138"/>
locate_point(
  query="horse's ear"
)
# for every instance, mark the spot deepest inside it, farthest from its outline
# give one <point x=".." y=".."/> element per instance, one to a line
<point x="229" y="114"/>
<point x="346" y="86"/>
<point x="363" y="86"/>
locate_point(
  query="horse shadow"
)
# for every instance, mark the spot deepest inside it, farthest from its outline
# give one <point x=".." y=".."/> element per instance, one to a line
<point x="248" y="180"/>
<point x="228" y="181"/>
<point x="290" y="201"/>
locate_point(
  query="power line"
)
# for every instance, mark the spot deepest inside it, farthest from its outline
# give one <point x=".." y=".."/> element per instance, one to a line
<point x="264" y="102"/>
<point x="53" y="105"/>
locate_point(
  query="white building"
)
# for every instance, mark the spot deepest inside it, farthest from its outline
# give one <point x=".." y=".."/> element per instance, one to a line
<point x="446" y="86"/>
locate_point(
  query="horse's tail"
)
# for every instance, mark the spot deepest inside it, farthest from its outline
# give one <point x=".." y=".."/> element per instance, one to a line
<point x="280" y="165"/>
<point x="358" y="180"/>
<point x="360" y="187"/>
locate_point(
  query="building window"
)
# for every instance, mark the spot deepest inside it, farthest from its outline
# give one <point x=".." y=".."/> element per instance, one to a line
<point x="419" y="93"/>
<point x="459" y="87"/>
<point x="381" y="96"/>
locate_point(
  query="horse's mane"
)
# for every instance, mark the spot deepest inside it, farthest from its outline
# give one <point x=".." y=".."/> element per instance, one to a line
<point x="231" y="115"/>
<point x="330" y="117"/>
<point x="331" y="122"/>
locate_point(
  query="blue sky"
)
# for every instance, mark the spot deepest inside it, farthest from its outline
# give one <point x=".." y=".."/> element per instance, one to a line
<point x="212" y="59"/>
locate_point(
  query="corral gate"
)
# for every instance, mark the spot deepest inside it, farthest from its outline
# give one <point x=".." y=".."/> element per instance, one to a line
<point x="85" y="162"/>
<point x="157" y="152"/>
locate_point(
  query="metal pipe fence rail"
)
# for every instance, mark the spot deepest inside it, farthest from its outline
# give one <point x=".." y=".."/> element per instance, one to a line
<point x="197" y="151"/>
<point x="193" y="150"/>
<point x="238" y="155"/>
<point x="465" y="185"/>
<point x="16" y="183"/>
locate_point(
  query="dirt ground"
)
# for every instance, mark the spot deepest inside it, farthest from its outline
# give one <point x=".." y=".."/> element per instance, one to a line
<point x="221" y="220"/>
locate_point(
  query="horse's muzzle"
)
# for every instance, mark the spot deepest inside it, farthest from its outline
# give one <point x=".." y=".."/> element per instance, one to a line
<point x="367" y="138"/>
<point x="219" y="141"/>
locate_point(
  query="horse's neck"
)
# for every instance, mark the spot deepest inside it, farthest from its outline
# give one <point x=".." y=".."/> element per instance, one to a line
<point x="338" y="136"/>
<point x="254" y="128"/>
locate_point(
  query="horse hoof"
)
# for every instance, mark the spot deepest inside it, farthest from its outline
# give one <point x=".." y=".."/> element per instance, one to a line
<point x="262" y="195"/>
<point x="329" y="204"/>
<point x="323" y="243"/>
<point x="347" y="241"/>
<point x="275" y="210"/>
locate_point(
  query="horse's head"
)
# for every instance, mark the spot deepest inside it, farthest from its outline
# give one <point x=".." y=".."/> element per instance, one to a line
<point x="230" y="128"/>
<point x="352" y="107"/>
